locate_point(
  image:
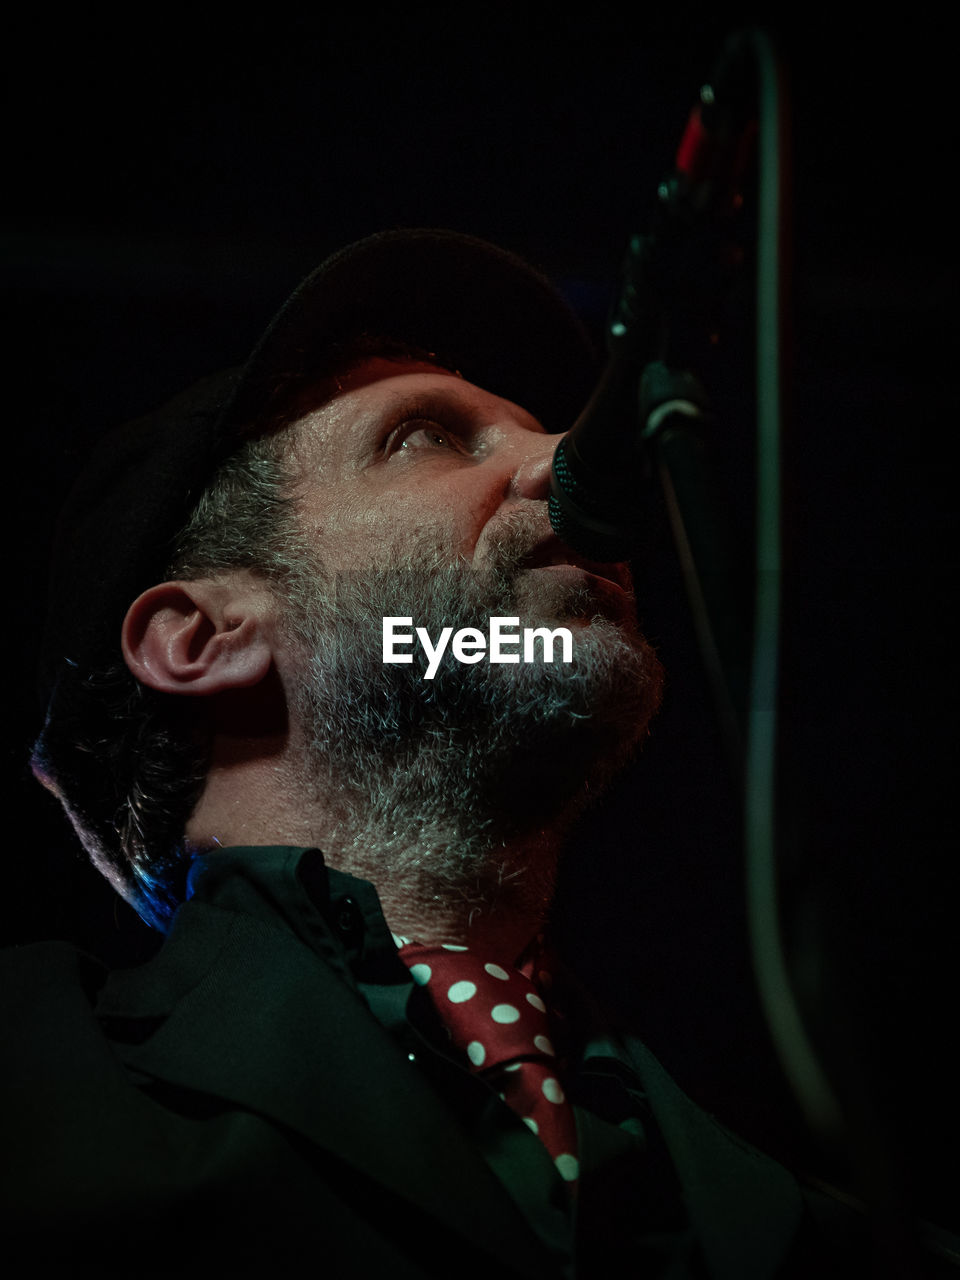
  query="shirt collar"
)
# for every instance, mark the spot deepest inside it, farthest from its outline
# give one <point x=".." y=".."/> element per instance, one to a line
<point x="336" y="914"/>
<point x="339" y="916"/>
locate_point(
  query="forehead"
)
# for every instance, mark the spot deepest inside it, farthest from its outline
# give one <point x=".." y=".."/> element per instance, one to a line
<point x="373" y="369"/>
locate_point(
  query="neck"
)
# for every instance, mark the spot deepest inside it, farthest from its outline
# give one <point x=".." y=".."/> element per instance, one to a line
<point x="493" y="904"/>
<point x="442" y="874"/>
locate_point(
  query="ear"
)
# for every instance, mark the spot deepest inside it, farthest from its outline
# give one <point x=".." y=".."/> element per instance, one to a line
<point x="200" y="638"/>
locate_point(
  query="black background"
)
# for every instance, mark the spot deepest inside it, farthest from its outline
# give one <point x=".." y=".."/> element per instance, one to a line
<point x="168" y="184"/>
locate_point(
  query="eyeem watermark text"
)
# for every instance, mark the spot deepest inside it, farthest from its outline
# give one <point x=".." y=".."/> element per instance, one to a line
<point x="470" y="644"/>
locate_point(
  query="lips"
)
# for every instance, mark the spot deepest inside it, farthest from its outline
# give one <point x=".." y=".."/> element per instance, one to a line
<point x="550" y="552"/>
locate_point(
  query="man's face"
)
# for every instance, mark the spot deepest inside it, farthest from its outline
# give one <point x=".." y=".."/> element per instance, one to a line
<point x="408" y="456"/>
<point x="417" y="494"/>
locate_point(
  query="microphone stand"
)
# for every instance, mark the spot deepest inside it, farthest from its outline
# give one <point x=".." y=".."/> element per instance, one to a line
<point x="739" y="639"/>
<point x="674" y="280"/>
<point x="676" y="419"/>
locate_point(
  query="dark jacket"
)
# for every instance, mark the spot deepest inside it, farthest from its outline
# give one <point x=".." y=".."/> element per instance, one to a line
<point x="255" y="1093"/>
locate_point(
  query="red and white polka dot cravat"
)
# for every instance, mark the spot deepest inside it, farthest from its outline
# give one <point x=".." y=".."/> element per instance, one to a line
<point x="496" y="1016"/>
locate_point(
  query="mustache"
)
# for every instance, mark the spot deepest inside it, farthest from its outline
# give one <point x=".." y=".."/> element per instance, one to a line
<point x="523" y="539"/>
<point x="512" y="540"/>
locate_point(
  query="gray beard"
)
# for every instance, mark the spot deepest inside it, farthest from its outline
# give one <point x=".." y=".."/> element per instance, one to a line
<point x="459" y="784"/>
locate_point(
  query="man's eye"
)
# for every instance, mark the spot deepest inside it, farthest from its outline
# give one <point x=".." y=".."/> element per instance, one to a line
<point x="424" y="435"/>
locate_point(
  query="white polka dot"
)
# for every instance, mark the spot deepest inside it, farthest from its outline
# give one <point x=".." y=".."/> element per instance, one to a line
<point x="401" y="942"/>
<point x="461" y="991"/>
<point x="544" y="1045"/>
<point x="452" y="946"/>
<point x="496" y="972"/>
<point x="551" y="1090"/>
<point x="420" y="973"/>
<point x="505" y="1013"/>
<point x="536" y="1002"/>
<point x="476" y="1053"/>
<point x="531" y="1124"/>
<point x="568" y="1167"/>
<point x="513" y="1066"/>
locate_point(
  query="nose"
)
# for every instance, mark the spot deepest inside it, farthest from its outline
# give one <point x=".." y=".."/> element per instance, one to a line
<point x="531" y="476"/>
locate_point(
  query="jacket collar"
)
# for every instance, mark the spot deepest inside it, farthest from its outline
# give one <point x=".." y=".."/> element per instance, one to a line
<point x="269" y="953"/>
<point x="745" y="1208"/>
<point x="265" y="955"/>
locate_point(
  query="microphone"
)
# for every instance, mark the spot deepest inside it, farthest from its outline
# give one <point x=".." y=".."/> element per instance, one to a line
<point x="673" y="281"/>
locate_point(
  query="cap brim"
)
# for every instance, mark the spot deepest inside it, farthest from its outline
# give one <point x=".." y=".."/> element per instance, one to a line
<point x="485" y="311"/>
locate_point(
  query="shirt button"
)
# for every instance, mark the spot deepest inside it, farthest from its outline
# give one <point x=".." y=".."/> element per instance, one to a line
<point x="348" y="922"/>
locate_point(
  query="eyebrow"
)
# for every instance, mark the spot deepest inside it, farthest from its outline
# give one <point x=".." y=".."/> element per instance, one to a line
<point x="427" y="400"/>
<point x="422" y="402"/>
<point x="430" y="400"/>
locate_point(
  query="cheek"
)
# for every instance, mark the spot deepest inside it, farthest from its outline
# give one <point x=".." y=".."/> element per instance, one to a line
<point x="372" y="528"/>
